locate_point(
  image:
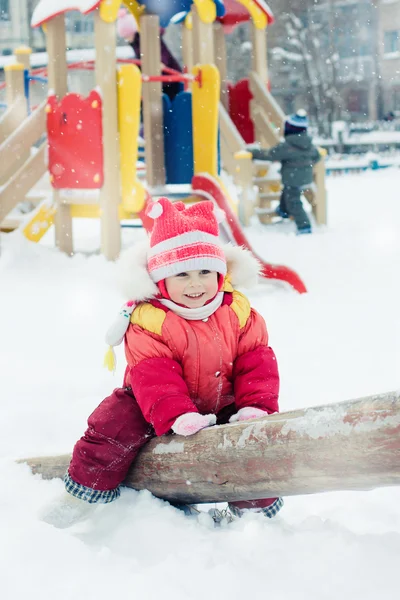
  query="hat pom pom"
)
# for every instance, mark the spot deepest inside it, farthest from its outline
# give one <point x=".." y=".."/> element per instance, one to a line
<point x="155" y="211"/>
<point x="301" y="113"/>
<point x="219" y="215"/>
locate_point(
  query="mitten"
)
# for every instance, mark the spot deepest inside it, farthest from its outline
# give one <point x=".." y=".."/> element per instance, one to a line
<point x="246" y="413"/>
<point x="192" y="422"/>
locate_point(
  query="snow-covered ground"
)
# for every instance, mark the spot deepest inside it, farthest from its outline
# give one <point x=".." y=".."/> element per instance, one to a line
<point x="340" y="341"/>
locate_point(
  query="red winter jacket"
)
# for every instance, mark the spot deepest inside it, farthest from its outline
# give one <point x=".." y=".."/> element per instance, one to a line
<point x="177" y="366"/>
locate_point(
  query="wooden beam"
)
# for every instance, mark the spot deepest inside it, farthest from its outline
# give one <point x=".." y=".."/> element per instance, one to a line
<point x="12" y="118"/>
<point x="23" y="55"/>
<point x="220" y="60"/>
<point x="15" y="83"/>
<point x="57" y="81"/>
<point x="320" y="202"/>
<point x="265" y="100"/>
<point x="229" y="131"/>
<point x="353" y="445"/>
<point x="187" y="47"/>
<point x="57" y="52"/>
<point x="153" y="119"/>
<point x="9" y="122"/>
<point x="259" y="52"/>
<point x="106" y="80"/>
<point x="266" y="134"/>
<point x="203" y="40"/>
<point x="19" y="143"/>
<point x="22" y="181"/>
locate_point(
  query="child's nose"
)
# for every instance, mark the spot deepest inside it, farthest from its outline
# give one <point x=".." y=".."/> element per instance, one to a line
<point x="194" y="281"/>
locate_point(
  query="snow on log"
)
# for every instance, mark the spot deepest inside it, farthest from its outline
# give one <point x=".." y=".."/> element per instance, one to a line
<point x="353" y="445"/>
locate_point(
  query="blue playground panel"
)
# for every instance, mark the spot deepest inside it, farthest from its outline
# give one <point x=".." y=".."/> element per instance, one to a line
<point x="167" y="9"/>
<point x="178" y="141"/>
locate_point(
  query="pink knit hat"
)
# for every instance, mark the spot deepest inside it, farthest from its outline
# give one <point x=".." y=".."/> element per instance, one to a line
<point x="126" y="24"/>
<point x="184" y="239"/>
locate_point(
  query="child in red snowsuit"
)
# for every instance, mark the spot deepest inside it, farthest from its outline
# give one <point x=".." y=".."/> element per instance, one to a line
<point x="197" y="352"/>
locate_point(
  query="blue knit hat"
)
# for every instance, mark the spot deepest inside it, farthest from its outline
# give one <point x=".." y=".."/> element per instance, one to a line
<point x="299" y="120"/>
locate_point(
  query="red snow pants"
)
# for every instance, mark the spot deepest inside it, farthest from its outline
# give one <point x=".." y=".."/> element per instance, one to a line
<point x="116" y="432"/>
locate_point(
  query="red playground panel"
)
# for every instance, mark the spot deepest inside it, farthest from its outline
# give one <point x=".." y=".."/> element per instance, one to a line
<point x="239" y="109"/>
<point x="75" y="141"/>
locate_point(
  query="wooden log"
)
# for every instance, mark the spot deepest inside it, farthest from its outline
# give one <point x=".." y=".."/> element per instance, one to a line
<point x="110" y="193"/>
<point x="353" y="445"/>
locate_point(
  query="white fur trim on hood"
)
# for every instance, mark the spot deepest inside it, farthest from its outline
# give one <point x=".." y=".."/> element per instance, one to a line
<point x="243" y="267"/>
<point x="136" y="284"/>
<point x="132" y="275"/>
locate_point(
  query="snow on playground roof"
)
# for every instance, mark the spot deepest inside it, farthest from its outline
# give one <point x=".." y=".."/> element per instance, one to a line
<point x="47" y="9"/>
<point x="236" y="13"/>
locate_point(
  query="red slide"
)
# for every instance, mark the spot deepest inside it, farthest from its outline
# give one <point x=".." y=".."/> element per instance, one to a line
<point x="205" y="185"/>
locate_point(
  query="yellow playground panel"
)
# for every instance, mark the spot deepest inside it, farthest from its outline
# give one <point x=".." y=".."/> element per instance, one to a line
<point x="205" y="101"/>
<point x="129" y="96"/>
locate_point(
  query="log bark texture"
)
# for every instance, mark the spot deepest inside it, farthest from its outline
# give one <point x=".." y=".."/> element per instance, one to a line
<point x="353" y="445"/>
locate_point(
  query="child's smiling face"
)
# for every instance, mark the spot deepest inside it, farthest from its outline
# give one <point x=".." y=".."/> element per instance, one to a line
<point x="192" y="288"/>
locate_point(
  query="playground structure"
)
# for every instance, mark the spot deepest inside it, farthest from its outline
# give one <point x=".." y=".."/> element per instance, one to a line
<point x="92" y="158"/>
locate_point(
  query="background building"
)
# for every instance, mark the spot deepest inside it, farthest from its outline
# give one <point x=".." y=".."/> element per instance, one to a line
<point x="389" y="47"/>
<point x="15" y="30"/>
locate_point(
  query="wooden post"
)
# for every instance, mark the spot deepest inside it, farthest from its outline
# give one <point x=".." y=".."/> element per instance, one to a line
<point x="57" y="81"/>
<point x="187" y="47"/>
<point x="14" y="76"/>
<point x="23" y="56"/>
<point x="220" y="61"/>
<point x="203" y="40"/>
<point x="150" y="52"/>
<point x="259" y="52"/>
<point x="106" y="80"/>
<point x="320" y="205"/>
<point x="56" y="48"/>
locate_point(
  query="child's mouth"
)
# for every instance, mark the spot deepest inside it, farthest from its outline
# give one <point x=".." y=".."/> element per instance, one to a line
<point x="194" y="296"/>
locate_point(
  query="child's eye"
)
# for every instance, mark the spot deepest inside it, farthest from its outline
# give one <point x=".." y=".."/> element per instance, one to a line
<point x="205" y="272"/>
<point x="182" y="275"/>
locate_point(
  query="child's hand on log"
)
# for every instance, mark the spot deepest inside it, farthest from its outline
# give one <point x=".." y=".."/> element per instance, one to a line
<point x="246" y="413"/>
<point x="192" y="422"/>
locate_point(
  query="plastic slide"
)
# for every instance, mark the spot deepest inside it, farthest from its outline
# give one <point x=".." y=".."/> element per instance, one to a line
<point x="208" y="187"/>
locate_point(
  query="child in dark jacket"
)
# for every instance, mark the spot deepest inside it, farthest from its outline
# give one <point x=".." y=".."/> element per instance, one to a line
<point x="298" y="155"/>
<point x="209" y="349"/>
